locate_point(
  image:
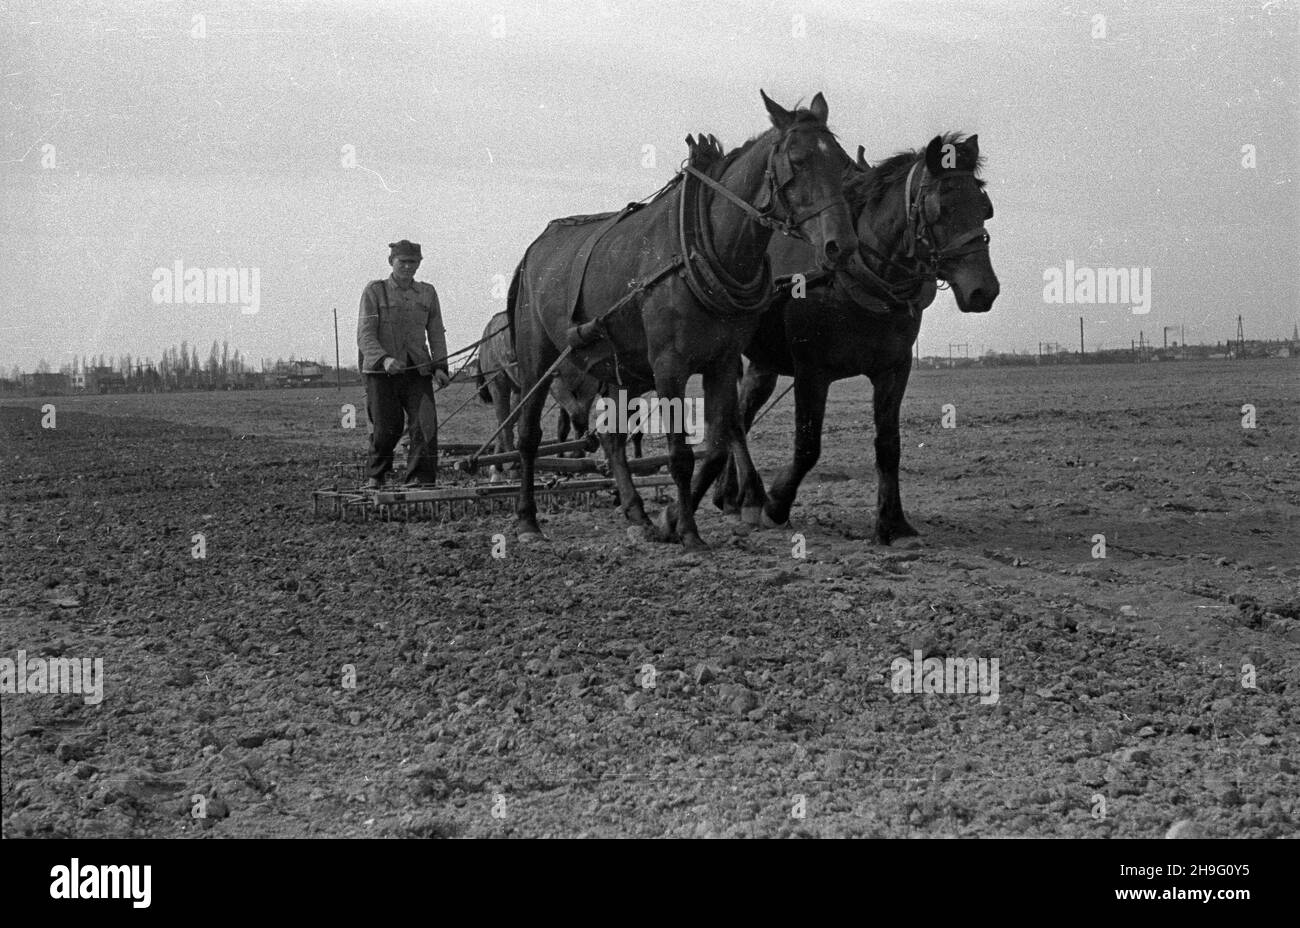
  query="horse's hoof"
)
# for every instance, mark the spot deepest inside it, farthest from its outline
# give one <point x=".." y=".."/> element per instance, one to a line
<point x="895" y="531"/>
<point x="636" y="515"/>
<point x="529" y="532"/>
<point x="769" y="522"/>
<point x="751" y="515"/>
<point x="691" y="541"/>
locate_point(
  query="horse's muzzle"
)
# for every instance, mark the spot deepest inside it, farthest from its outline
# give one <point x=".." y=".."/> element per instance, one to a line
<point x="980" y="300"/>
<point x="835" y="254"/>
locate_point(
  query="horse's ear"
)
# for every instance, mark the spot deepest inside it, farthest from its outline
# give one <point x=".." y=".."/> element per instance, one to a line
<point x="862" y="159"/>
<point x="934" y="155"/>
<point x="780" y="115"/>
<point x="690" y="142"/>
<point x="819" y="108"/>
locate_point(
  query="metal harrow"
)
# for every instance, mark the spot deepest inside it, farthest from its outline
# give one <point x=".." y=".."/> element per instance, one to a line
<point x="446" y="504"/>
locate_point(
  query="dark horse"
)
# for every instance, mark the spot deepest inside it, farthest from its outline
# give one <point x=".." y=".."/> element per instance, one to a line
<point x="920" y="218"/>
<point x="672" y="289"/>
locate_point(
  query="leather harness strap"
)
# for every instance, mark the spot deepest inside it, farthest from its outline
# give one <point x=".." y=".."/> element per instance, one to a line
<point x="719" y="293"/>
<point x="716" y="290"/>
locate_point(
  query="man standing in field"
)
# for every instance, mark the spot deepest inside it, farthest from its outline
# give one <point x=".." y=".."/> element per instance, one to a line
<point x="402" y="349"/>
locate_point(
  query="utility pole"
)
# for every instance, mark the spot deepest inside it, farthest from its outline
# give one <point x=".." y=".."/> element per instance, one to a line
<point x="1241" y="338"/>
<point x="1080" y="338"/>
<point x="338" y="374"/>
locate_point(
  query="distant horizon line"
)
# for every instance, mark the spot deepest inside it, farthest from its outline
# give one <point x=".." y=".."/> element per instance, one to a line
<point x="1063" y="349"/>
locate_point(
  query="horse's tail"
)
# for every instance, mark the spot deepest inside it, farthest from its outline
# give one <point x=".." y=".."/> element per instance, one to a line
<point x="481" y="382"/>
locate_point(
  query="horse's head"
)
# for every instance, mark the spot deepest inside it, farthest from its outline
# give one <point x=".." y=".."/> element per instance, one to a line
<point x="805" y="171"/>
<point x="950" y="208"/>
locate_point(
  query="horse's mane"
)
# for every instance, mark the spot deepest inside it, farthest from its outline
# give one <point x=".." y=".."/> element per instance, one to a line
<point x="867" y="188"/>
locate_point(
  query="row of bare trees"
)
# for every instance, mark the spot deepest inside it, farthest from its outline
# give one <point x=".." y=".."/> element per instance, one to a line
<point x="179" y="368"/>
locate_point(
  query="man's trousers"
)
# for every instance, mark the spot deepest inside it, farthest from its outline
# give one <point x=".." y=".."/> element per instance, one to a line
<point x="390" y="398"/>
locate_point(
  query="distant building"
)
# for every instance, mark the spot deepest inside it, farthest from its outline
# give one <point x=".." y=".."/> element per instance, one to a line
<point x="299" y="374"/>
<point x="45" y="384"/>
<point x="106" y="380"/>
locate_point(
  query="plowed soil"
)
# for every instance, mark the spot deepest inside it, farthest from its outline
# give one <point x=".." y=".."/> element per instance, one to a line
<point x="314" y="677"/>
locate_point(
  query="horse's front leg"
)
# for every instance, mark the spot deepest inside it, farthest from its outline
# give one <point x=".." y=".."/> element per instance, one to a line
<point x="888" y="389"/>
<point x="676" y="522"/>
<point x="629" y="500"/>
<point x="727" y="441"/>
<point x="810" y="389"/>
<point x="756" y="388"/>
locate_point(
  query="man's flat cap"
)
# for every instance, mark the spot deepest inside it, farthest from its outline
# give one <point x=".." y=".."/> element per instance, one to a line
<point x="404" y="247"/>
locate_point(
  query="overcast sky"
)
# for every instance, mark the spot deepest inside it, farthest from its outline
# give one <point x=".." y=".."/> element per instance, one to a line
<point x="135" y="136"/>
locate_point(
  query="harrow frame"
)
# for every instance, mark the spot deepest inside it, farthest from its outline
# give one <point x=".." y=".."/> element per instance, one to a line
<point x="445" y="504"/>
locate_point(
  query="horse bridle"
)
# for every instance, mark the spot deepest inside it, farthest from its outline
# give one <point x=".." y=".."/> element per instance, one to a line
<point x="923" y="213"/>
<point x="777" y="175"/>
